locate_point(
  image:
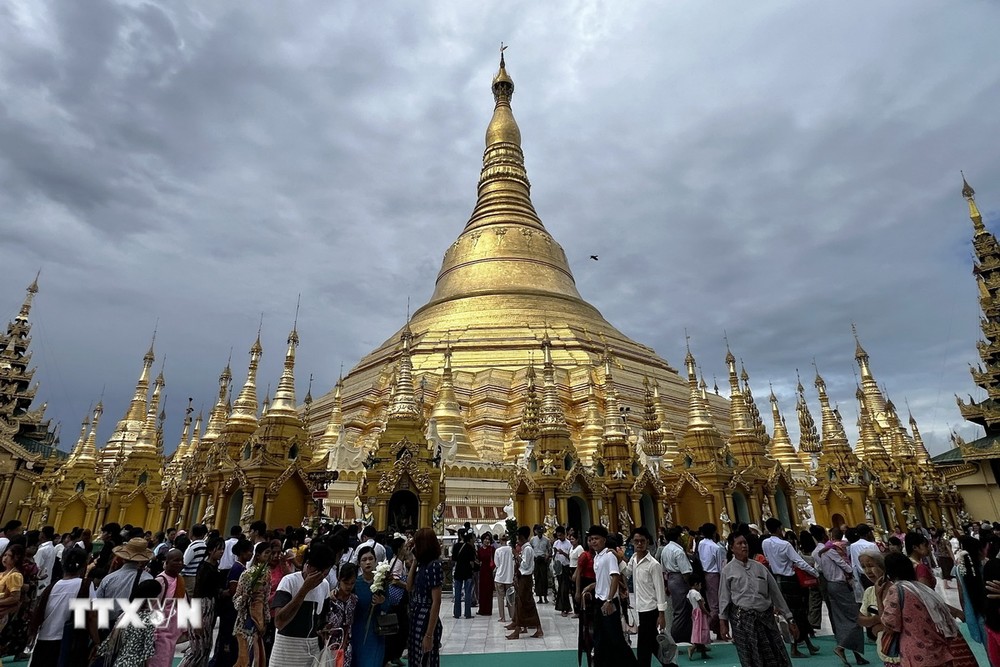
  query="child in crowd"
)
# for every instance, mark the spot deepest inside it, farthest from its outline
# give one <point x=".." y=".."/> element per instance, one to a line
<point x="701" y="637"/>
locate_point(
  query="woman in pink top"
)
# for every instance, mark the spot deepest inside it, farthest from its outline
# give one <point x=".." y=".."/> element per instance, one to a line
<point x="928" y="636"/>
<point x="172" y="588"/>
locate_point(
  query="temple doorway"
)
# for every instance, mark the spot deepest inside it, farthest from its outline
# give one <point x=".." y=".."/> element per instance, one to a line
<point x="404" y="509"/>
<point x="740" y="508"/>
<point x="838" y="520"/>
<point x="579" y="515"/>
<point x="233" y="515"/>
<point x="781" y="505"/>
<point x="647" y="517"/>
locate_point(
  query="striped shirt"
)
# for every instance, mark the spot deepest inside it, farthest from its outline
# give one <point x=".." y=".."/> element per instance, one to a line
<point x="193" y="557"/>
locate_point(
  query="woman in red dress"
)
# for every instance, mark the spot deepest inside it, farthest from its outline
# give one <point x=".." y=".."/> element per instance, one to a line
<point x="485" y="557"/>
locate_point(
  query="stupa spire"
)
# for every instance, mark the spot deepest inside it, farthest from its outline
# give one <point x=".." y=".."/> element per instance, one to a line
<point x="919" y="449"/>
<point x="22" y="315"/>
<point x="698" y="414"/>
<point x="137" y="408"/>
<point x="667" y="436"/>
<point x="974" y="214"/>
<point x="89" y="450"/>
<point x="809" y="443"/>
<point x="447" y="413"/>
<point x="553" y="419"/>
<point x="835" y="449"/>
<point x="81" y="442"/>
<point x="404" y="400"/>
<point x="217" y="418"/>
<point x="653" y="446"/>
<point x="781" y="445"/>
<point x="504" y="249"/>
<point x="614" y="428"/>
<point x="244" y="410"/>
<point x="146" y="444"/>
<point x="528" y="431"/>
<point x="283" y="403"/>
<point x="503" y="183"/>
<point x="593" y="424"/>
<point x="738" y="413"/>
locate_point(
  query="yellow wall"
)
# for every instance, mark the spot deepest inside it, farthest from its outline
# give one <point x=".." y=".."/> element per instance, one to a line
<point x="980" y="493"/>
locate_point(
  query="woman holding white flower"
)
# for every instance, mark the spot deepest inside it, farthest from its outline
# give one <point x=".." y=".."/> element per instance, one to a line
<point x="367" y="647"/>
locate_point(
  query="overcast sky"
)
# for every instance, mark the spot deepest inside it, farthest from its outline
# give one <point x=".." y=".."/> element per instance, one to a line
<point x="773" y="170"/>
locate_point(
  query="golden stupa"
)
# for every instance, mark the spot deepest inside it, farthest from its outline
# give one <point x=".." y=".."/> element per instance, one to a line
<point x="505" y="285"/>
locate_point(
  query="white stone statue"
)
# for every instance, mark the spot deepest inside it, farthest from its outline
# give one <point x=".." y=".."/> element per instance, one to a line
<point x="668" y="515"/>
<point x="724" y="519"/>
<point x="509" y="509"/>
<point x="624" y="521"/>
<point x="209" y="516"/>
<point x="248" y="515"/>
<point x="869" y="513"/>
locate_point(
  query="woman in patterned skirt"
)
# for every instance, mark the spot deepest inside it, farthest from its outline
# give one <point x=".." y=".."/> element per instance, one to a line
<point x="424" y="586"/>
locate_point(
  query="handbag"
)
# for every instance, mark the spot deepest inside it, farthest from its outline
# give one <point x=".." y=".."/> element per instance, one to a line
<point x="666" y="649"/>
<point x="386" y="625"/>
<point x="805" y="579"/>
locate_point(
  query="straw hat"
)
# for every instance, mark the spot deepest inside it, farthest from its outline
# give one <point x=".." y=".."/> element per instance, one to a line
<point x="135" y="550"/>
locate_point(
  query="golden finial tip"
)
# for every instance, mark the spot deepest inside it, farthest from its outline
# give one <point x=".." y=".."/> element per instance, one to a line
<point x="967" y="190"/>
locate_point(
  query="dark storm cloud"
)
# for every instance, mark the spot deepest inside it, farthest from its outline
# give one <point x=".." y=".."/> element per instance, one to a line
<point x="775" y="172"/>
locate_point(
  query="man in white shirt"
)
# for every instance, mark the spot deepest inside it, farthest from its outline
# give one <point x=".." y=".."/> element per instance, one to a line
<point x="45" y="557"/>
<point x="503" y="574"/>
<point x="677" y="568"/>
<point x="369" y="535"/>
<point x="783" y="560"/>
<point x="610" y="646"/>
<point x="713" y="558"/>
<point x="298" y="608"/>
<point x="228" y="557"/>
<point x="525" y="612"/>
<point x="560" y="556"/>
<point x="650" y="595"/>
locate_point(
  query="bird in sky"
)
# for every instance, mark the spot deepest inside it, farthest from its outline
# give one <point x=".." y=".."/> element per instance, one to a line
<point x="594" y="257"/>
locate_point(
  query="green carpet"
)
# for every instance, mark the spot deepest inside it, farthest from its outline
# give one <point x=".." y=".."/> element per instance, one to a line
<point x="723" y="655"/>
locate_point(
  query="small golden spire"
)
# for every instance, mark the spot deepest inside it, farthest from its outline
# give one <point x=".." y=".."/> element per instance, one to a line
<point x="653" y="445"/>
<point x="244" y="409"/>
<point x="667" y="436"/>
<point x="974" y="214"/>
<point x="808" y="437"/>
<point x="217" y="418"/>
<point x="614" y="428"/>
<point x="529" y="428"/>
<point x="81" y="442"/>
<point x="89" y="451"/>
<point x="404" y="400"/>
<point x="781" y="445"/>
<point x="22" y="315"/>
<point x="552" y="417"/>
<point x="592" y="433"/>
<point x="146" y="443"/>
<point x="284" y="396"/>
<point x="447" y="413"/>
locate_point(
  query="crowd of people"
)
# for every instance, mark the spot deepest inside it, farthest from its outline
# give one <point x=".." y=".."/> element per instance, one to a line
<point x="352" y="596"/>
<point x="342" y="596"/>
